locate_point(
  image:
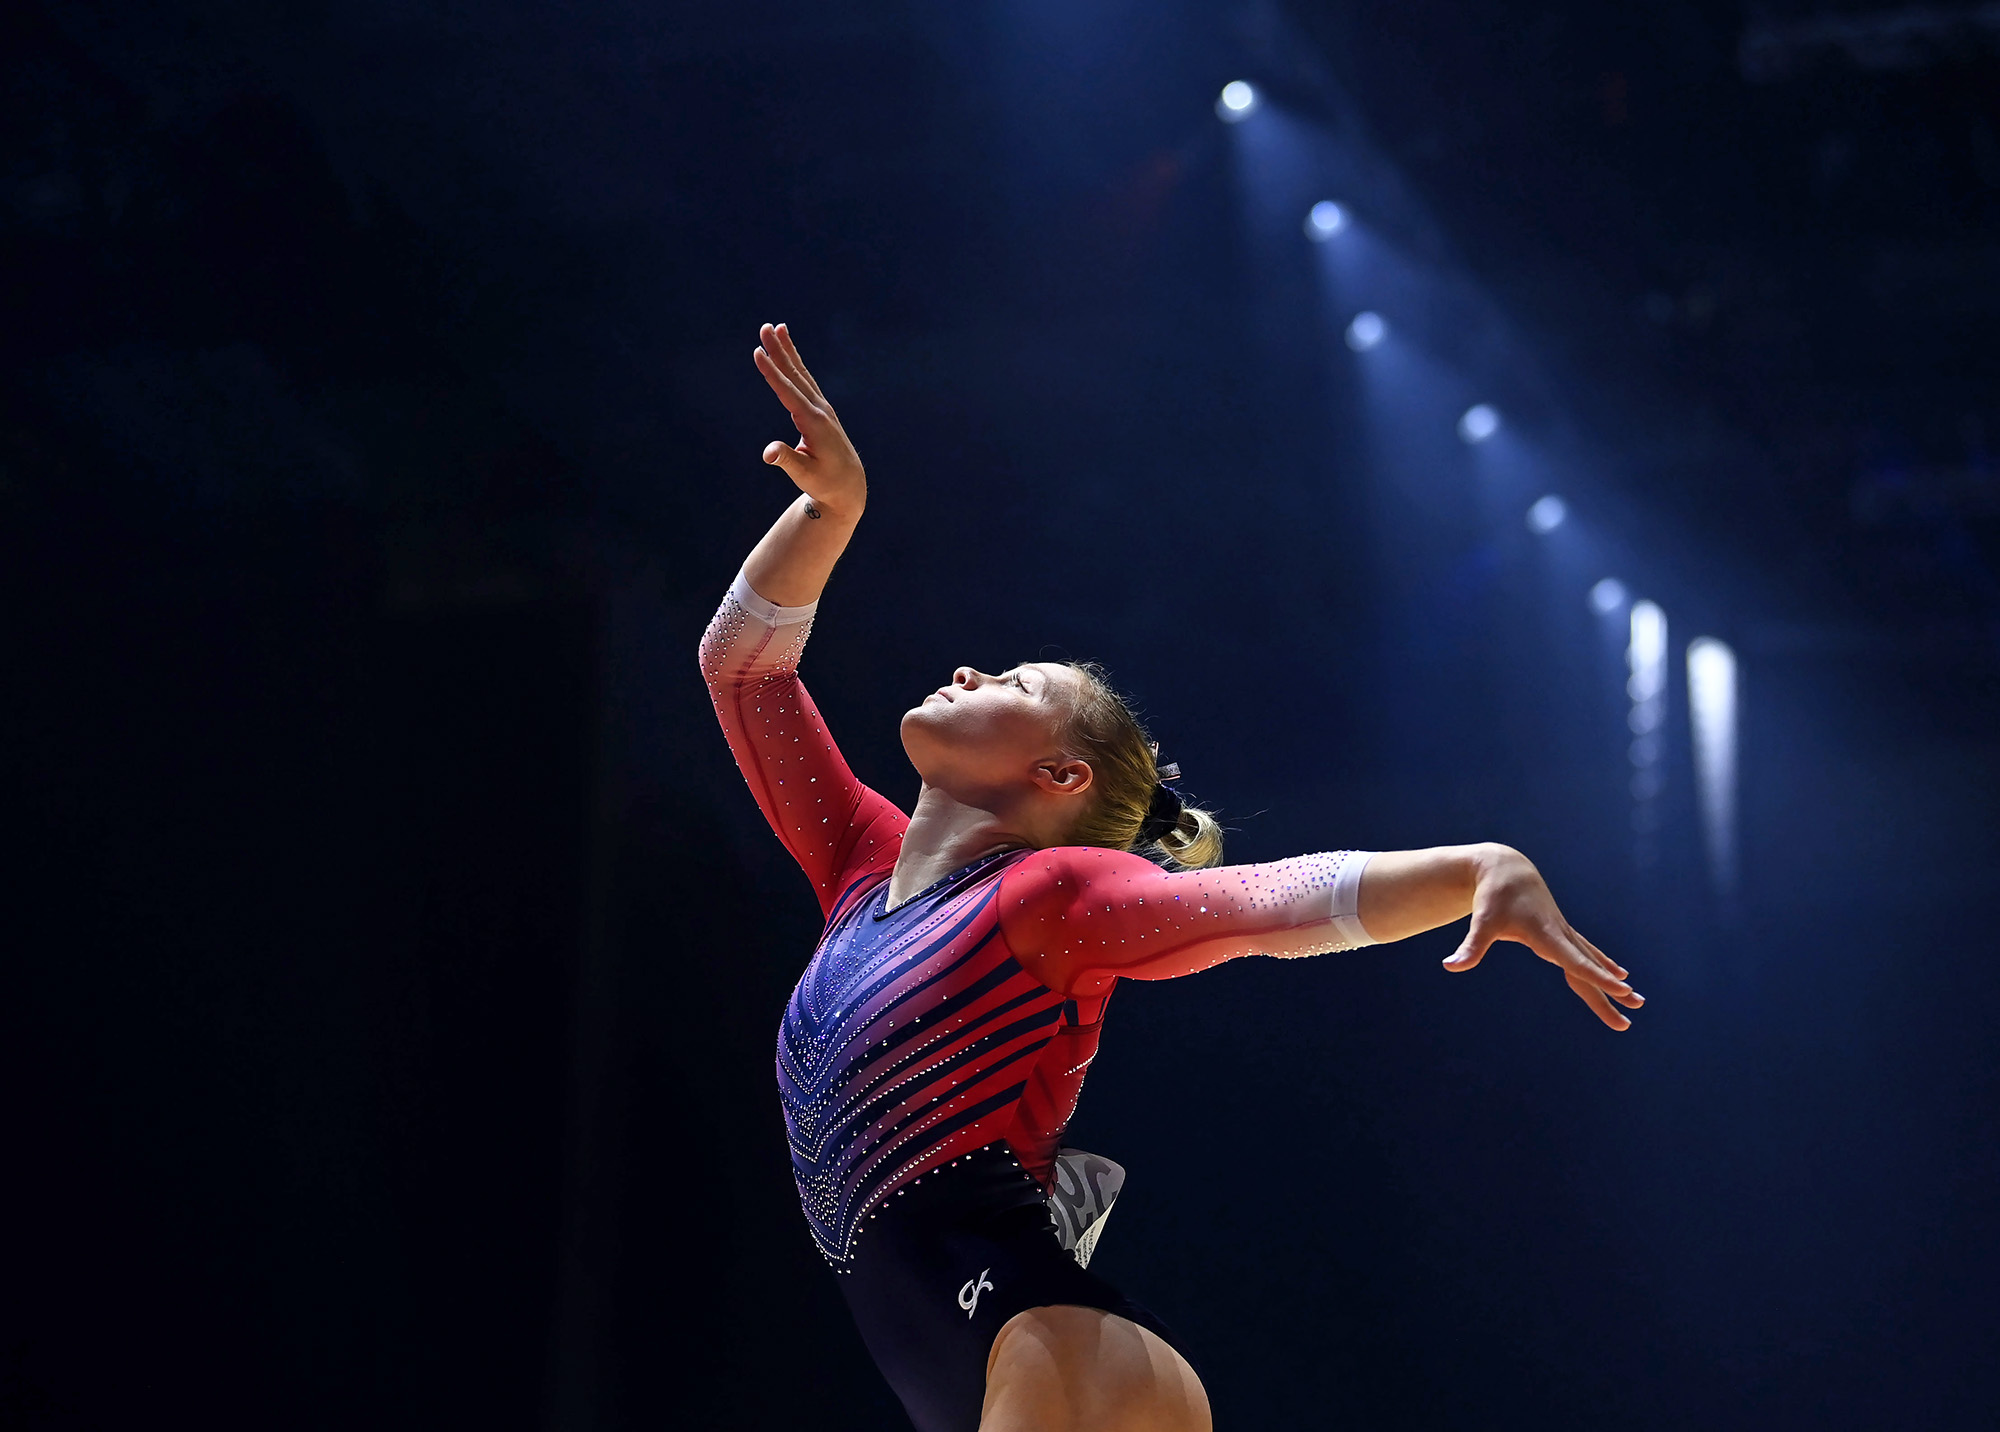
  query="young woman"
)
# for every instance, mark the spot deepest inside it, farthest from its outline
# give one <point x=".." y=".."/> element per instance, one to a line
<point x="936" y="1044"/>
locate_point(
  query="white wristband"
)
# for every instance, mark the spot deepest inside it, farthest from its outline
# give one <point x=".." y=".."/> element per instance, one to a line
<point x="765" y="611"/>
<point x="1347" y="898"/>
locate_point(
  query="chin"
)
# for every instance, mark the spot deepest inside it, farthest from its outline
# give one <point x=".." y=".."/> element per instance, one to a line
<point x="922" y="733"/>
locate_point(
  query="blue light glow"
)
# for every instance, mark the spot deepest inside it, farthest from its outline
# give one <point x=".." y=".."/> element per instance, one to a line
<point x="1711" y="677"/>
<point x="1325" y="220"/>
<point x="1547" y="514"/>
<point x="1481" y="421"/>
<point x="1367" y="330"/>
<point x="1237" y="102"/>
<point x="1607" y="596"/>
<point x="1646" y="657"/>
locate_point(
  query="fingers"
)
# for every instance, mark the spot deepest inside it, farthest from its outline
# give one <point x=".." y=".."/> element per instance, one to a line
<point x="796" y="366"/>
<point x="1592" y="979"/>
<point x="823" y="462"/>
<point x="1597" y="954"/>
<point x="1561" y="947"/>
<point x="784" y="354"/>
<point x="1591" y="995"/>
<point x="772" y="337"/>
<point x="796" y="402"/>
<point x="1596" y="979"/>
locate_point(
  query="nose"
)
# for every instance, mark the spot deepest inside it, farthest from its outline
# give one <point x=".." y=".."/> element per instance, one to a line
<point x="967" y="677"/>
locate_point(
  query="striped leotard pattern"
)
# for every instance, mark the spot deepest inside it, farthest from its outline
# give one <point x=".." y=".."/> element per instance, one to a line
<point x="911" y="1040"/>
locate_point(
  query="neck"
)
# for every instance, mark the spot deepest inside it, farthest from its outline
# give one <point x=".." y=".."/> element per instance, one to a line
<point x="948" y="833"/>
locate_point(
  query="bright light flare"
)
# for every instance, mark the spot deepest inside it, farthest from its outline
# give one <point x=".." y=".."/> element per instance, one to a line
<point x="1646" y="659"/>
<point x="1646" y="655"/>
<point x="1324" y="220"/>
<point x="1547" y="514"/>
<point x="1366" y="331"/>
<point x="1237" y="102"/>
<point x="1480" y="422"/>
<point x="1607" y="596"/>
<point x="1711" y="674"/>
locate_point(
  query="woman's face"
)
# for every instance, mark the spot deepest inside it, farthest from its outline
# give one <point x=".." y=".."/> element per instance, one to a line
<point x="984" y="732"/>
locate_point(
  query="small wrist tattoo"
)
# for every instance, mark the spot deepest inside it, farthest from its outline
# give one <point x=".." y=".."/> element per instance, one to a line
<point x="812" y="511"/>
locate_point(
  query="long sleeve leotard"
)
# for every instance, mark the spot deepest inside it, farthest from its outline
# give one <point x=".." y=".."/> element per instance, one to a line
<point x="968" y="1014"/>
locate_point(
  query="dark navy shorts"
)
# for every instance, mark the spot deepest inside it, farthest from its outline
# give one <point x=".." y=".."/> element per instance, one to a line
<point x="943" y="1265"/>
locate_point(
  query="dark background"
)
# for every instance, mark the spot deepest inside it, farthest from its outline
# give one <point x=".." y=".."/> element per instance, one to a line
<point x="393" y="957"/>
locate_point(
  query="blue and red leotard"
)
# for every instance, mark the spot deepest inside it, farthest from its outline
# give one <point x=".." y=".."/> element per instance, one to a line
<point x="968" y="1015"/>
<point x="933" y="1052"/>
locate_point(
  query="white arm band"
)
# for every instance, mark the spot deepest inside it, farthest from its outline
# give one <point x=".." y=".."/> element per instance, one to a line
<point x="1346" y="898"/>
<point x="765" y="611"/>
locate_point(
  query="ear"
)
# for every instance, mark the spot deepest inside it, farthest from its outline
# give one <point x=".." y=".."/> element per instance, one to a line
<point x="1063" y="776"/>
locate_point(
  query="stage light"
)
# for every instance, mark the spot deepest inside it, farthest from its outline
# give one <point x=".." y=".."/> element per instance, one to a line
<point x="1367" y="330"/>
<point x="1607" y="596"/>
<point x="1237" y="102"/>
<point x="1711" y="673"/>
<point x="1481" y="421"/>
<point x="1646" y="659"/>
<point x="1325" y="219"/>
<point x="1646" y="655"/>
<point x="1547" y="514"/>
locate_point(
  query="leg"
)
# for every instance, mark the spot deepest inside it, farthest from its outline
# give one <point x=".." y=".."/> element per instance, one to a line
<point x="1071" y="1369"/>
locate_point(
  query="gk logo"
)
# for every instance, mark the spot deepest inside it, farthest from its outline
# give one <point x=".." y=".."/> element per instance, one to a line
<point x="968" y="1296"/>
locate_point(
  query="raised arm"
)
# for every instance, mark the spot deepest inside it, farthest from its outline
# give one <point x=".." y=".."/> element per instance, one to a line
<point x="792" y="562"/>
<point x="1083" y="918"/>
<point x="834" y="826"/>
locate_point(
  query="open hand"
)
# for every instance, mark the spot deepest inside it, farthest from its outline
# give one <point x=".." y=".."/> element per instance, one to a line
<point x="1510" y="901"/>
<point x="823" y="464"/>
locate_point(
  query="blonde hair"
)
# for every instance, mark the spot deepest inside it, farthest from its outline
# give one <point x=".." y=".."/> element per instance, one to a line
<point x="1104" y="730"/>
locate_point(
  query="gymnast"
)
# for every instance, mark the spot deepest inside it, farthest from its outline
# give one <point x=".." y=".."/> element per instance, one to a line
<point x="935" y="1046"/>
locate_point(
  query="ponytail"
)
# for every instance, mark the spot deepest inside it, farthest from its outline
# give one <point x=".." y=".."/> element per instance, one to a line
<point x="1126" y="781"/>
<point x="1195" y="842"/>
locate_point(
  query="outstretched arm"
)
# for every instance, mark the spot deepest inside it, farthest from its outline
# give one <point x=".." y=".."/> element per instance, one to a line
<point x="1083" y="918"/>
<point x="792" y="562"/>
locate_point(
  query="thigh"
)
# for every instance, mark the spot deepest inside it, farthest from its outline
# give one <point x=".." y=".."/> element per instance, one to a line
<point x="1075" y="1369"/>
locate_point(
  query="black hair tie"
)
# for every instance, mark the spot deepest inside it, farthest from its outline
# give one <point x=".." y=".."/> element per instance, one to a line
<point x="1163" y="813"/>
